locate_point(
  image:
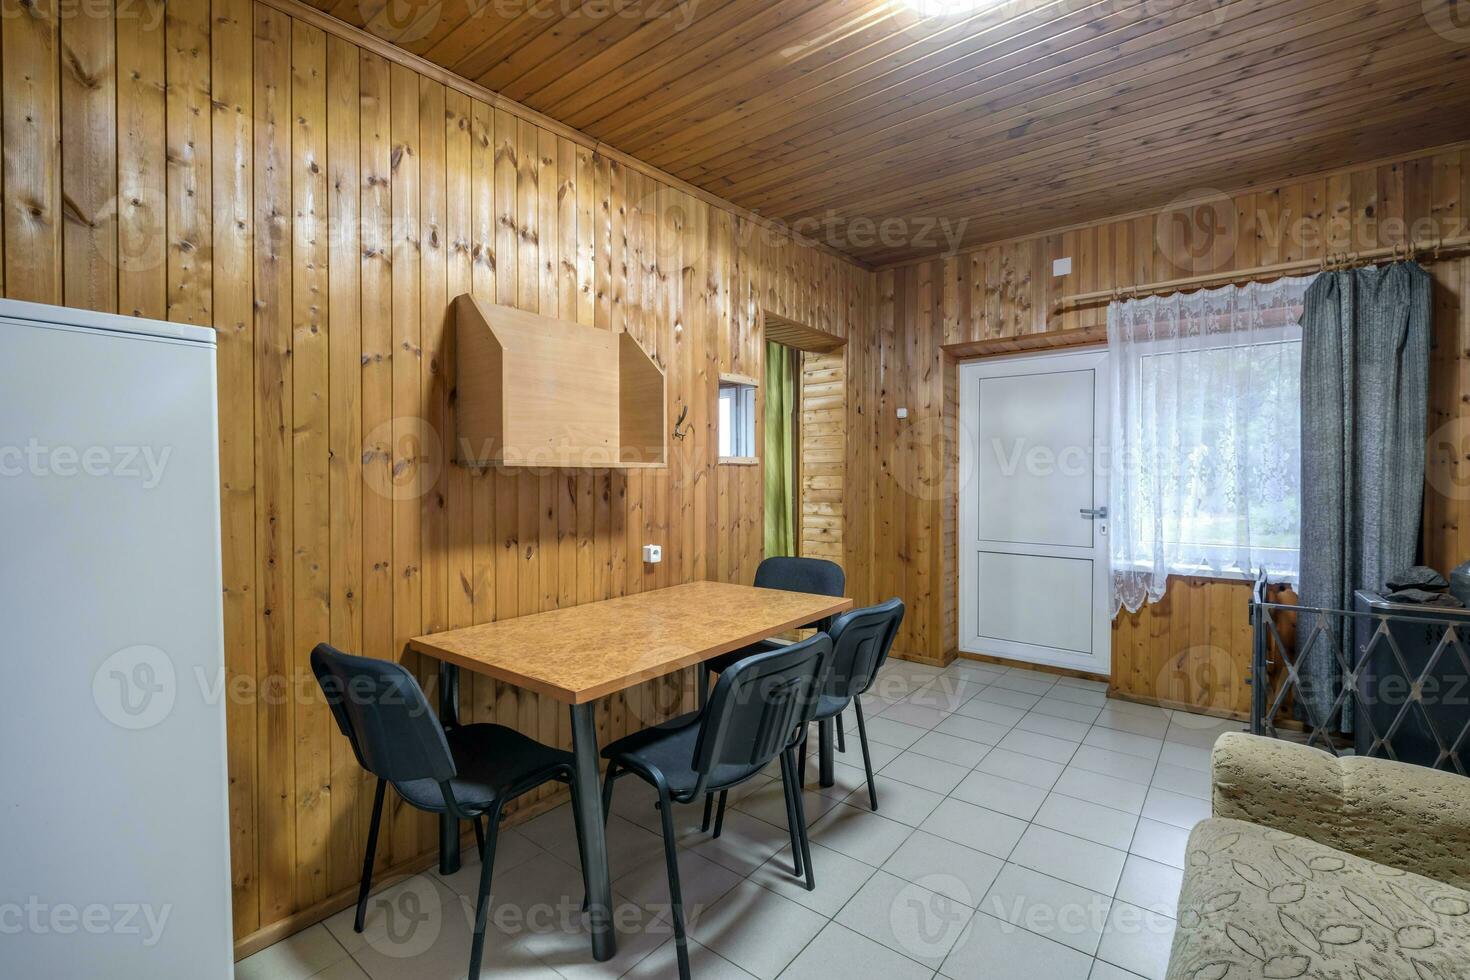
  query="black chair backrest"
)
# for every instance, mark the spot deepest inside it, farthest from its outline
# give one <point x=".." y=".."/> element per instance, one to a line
<point x="814" y="575"/>
<point x="382" y="710"/>
<point x="759" y="706"/>
<point x="861" y="640"/>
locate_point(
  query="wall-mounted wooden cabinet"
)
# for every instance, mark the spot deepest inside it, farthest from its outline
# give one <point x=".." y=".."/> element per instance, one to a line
<point x="532" y="390"/>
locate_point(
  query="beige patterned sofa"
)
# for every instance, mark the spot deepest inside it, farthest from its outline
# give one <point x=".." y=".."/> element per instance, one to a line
<point x="1319" y="867"/>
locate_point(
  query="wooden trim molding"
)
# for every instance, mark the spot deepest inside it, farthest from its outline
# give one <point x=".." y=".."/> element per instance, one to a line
<point x="799" y="336"/>
<point x="985" y="658"/>
<point x="1029" y="342"/>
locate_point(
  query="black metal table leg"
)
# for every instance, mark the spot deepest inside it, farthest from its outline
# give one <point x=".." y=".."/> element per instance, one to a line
<point x="588" y="801"/>
<point x="825" y="730"/>
<point x="448" y="716"/>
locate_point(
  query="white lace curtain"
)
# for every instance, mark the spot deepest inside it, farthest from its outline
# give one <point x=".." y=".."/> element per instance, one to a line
<point x="1206" y="436"/>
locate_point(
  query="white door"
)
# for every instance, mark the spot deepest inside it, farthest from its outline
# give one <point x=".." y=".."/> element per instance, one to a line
<point x="1032" y="510"/>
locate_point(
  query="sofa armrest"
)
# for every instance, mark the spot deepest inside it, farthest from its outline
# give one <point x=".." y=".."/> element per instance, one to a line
<point x="1407" y="817"/>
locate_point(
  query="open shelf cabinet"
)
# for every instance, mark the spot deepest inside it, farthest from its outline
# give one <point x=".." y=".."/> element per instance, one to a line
<point x="533" y="390"/>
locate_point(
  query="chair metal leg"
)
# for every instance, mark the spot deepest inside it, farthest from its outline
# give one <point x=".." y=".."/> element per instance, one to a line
<point x="449" y="859"/>
<point x="676" y="899"/>
<point x="801" y="769"/>
<point x="867" y="759"/>
<point x="367" y="859"/>
<point x="709" y="807"/>
<point x="720" y="813"/>
<point x="841" y="735"/>
<point x="826" y="773"/>
<point x="788" y="787"/>
<point x="482" y="902"/>
<point x="806" y="849"/>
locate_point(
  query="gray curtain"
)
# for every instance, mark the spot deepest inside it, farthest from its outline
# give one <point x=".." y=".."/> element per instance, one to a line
<point x="1365" y="396"/>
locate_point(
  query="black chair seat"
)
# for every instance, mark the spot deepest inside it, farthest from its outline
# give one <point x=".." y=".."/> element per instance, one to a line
<point x="724" y="661"/>
<point x="831" y="705"/>
<point x="492" y="763"/>
<point x="669" y="749"/>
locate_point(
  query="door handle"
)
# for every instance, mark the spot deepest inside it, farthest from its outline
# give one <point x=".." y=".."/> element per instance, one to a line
<point x="1094" y="513"/>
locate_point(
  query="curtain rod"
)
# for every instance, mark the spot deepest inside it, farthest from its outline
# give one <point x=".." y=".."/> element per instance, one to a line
<point x="1331" y="261"/>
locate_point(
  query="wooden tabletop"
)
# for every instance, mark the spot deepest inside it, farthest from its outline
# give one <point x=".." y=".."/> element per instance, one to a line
<point x="585" y="652"/>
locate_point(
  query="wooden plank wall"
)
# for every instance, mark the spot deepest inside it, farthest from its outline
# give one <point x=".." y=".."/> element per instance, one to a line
<point x="824" y="450"/>
<point x="228" y="164"/>
<point x="1193" y="647"/>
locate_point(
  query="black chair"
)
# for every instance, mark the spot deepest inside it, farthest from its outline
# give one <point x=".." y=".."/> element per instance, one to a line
<point x="467" y="771"/>
<point x="813" y="575"/>
<point x="758" y="711"/>
<point x="861" y="640"/>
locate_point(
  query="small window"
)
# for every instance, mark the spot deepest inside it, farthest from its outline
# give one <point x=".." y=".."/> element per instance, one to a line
<point x="737" y="420"/>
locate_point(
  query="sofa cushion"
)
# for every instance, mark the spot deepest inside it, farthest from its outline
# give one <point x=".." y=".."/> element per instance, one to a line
<point x="1406" y="816"/>
<point x="1259" y="903"/>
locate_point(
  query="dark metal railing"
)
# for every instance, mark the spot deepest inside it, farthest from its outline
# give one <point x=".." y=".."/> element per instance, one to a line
<point x="1403" y="704"/>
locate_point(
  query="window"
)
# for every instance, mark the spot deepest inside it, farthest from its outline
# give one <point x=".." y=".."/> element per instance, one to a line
<point x="1206" y="436"/>
<point x="737" y="419"/>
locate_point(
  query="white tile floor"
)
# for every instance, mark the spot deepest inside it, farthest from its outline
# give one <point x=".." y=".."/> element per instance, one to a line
<point x="1028" y="827"/>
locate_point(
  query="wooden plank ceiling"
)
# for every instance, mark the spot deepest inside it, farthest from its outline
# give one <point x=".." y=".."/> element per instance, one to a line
<point x="1010" y="117"/>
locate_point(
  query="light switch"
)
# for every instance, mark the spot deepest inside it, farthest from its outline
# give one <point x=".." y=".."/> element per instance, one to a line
<point x="1061" y="267"/>
<point x="903" y="413"/>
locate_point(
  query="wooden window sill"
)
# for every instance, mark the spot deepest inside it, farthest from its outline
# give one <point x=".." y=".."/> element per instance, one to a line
<point x="739" y="461"/>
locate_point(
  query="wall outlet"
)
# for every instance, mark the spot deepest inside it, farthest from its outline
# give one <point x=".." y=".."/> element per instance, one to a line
<point x="1061" y="267"/>
<point x="903" y="413"/>
<point x="652" y="554"/>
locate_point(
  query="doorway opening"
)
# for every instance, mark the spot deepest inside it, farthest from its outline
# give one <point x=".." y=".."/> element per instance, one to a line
<point x="804" y="443"/>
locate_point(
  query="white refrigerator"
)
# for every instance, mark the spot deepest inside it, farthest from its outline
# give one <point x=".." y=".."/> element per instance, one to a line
<point x="114" y="840"/>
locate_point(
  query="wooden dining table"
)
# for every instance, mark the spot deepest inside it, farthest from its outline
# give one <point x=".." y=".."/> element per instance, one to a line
<point x="581" y="654"/>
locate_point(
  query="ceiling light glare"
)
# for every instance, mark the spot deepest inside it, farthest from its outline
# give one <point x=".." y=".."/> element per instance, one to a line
<point x="949" y="8"/>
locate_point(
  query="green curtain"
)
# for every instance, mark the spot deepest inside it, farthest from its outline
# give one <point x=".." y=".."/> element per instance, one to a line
<point x="779" y="454"/>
